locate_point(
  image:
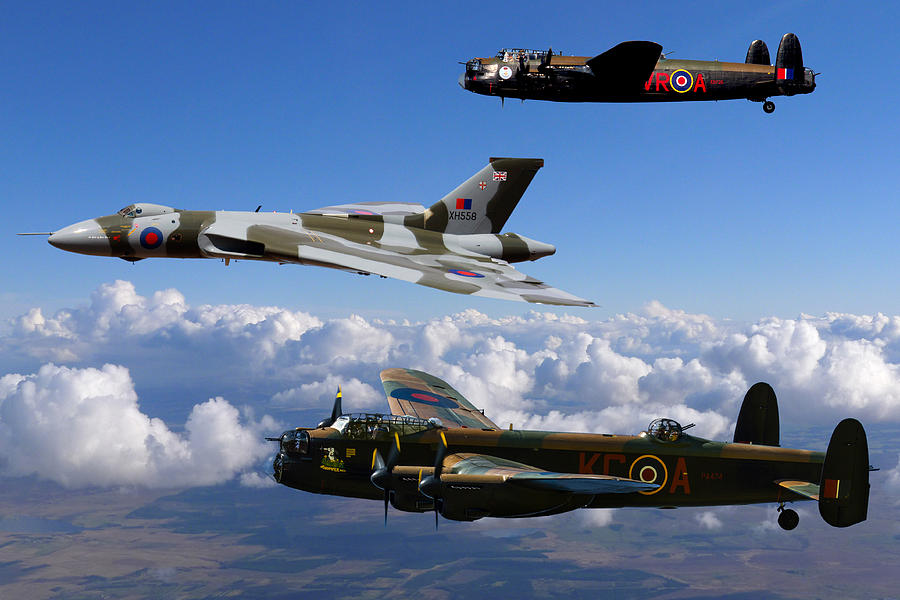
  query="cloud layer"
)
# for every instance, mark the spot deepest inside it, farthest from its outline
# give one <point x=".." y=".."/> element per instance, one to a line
<point x="539" y="371"/>
<point x="83" y="427"/>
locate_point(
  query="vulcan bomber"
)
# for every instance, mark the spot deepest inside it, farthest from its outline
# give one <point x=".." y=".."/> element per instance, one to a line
<point x="455" y="245"/>
<point x="638" y="71"/>
<point x="436" y="452"/>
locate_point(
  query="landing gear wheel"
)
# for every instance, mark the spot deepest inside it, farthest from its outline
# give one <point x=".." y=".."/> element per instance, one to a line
<point x="769" y="108"/>
<point x="788" y="518"/>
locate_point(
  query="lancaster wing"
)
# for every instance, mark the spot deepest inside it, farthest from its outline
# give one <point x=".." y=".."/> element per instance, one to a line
<point x="411" y="392"/>
<point x="626" y="66"/>
<point x="464" y="468"/>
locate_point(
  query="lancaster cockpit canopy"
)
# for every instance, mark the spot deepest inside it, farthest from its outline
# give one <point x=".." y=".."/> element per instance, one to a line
<point x="513" y="54"/>
<point x="369" y="426"/>
<point x="144" y="209"/>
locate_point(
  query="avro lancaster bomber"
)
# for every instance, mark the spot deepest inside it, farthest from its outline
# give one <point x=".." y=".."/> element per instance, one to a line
<point x="639" y="72"/>
<point x="444" y="455"/>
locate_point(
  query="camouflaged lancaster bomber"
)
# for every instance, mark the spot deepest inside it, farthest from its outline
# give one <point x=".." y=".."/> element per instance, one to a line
<point x="639" y="72"/>
<point x="446" y="456"/>
<point x="455" y="245"/>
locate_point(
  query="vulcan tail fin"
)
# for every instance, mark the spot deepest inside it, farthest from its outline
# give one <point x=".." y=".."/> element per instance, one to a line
<point x="844" y="487"/>
<point x="789" y="61"/>
<point x="484" y="202"/>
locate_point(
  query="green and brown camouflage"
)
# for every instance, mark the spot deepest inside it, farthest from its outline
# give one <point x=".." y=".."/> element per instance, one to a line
<point x="446" y="455"/>
<point x="455" y="245"/>
<point x="638" y="71"/>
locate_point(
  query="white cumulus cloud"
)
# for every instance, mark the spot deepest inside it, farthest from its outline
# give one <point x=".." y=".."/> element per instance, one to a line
<point x="84" y="427"/>
<point x="536" y="370"/>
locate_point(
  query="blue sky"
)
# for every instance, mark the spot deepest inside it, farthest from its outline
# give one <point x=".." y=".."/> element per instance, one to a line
<point x="707" y="207"/>
<point x="702" y="229"/>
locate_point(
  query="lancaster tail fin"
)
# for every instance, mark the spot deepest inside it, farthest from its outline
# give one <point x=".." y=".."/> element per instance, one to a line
<point x="758" y="53"/>
<point x="484" y="202"/>
<point x="844" y="487"/>
<point x="758" y="420"/>
<point x="789" y="61"/>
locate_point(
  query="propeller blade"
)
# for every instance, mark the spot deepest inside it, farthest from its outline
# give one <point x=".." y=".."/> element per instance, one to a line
<point x="381" y="471"/>
<point x="439" y="457"/>
<point x="337" y="411"/>
<point x="438" y="469"/>
<point x="545" y="61"/>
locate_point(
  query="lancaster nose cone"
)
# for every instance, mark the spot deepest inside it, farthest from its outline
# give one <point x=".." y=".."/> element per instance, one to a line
<point x="85" y="237"/>
<point x="462" y="80"/>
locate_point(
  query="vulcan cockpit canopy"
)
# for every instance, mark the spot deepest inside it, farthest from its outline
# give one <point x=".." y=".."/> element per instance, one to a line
<point x="144" y="209"/>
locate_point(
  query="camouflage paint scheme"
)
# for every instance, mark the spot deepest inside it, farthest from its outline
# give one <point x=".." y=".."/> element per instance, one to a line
<point x="490" y="471"/>
<point x="637" y="71"/>
<point x="455" y="245"/>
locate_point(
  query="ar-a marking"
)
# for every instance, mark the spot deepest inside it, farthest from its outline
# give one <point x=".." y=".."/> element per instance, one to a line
<point x="662" y="82"/>
<point x="645" y="468"/>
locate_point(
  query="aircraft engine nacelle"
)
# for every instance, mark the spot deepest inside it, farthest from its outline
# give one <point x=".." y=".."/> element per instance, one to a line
<point x="469" y="499"/>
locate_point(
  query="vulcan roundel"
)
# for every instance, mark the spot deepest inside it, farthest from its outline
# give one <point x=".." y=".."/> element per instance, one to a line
<point x="151" y="238"/>
<point x="424" y="397"/>
<point x="462" y="273"/>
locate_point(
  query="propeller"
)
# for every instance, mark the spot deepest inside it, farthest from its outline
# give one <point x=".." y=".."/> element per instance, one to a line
<point x="381" y="471"/>
<point x="545" y="62"/>
<point x="335" y="411"/>
<point x="431" y="484"/>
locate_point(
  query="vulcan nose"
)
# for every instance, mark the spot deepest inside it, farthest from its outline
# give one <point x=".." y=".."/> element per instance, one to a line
<point x="85" y="237"/>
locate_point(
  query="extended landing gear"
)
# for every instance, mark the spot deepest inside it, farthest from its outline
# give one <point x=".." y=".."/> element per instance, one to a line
<point x="769" y="108"/>
<point x="787" y="518"/>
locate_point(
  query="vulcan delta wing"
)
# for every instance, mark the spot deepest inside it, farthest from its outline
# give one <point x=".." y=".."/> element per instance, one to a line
<point x="455" y="245"/>
<point x="437" y="452"/>
<point x="638" y="71"/>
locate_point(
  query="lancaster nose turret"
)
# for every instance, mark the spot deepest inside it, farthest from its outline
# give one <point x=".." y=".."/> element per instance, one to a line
<point x="85" y="237"/>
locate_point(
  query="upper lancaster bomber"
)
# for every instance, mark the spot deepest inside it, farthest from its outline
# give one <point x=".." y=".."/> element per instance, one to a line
<point x="455" y="245"/>
<point x="639" y="72"/>
<point x="446" y="456"/>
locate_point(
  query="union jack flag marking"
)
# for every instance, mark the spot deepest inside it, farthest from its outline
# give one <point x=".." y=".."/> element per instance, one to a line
<point x="499" y="175"/>
<point x="482" y="185"/>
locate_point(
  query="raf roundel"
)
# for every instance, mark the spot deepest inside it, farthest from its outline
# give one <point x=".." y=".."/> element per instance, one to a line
<point x="649" y="469"/>
<point x="424" y="397"/>
<point x="464" y="273"/>
<point x="682" y="81"/>
<point x="151" y="238"/>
